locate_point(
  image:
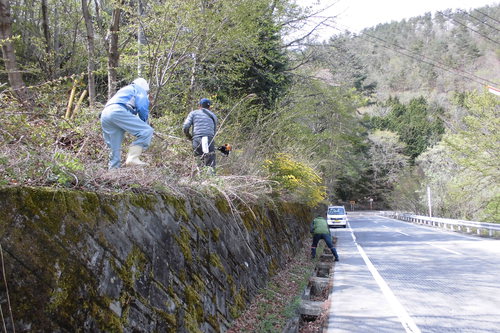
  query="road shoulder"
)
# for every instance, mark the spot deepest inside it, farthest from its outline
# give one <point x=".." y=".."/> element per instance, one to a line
<point x="357" y="302"/>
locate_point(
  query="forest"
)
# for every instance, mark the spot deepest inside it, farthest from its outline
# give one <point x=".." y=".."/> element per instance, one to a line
<point x="385" y="114"/>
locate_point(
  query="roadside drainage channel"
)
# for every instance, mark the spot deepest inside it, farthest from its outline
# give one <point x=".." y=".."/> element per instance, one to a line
<point x="315" y="297"/>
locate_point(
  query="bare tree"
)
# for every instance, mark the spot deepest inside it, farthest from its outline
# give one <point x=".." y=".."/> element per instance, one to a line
<point x="113" y="54"/>
<point x="141" y="39"/>
<point x="91" y="52"/>
<point x="45" y="25"/>
<point x="387" y="158"/>
<point x="46" y="34"/>
<point x="8" y="53"/>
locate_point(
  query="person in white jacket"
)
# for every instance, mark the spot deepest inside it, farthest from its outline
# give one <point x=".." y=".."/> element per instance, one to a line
<point x="127" y="111"/>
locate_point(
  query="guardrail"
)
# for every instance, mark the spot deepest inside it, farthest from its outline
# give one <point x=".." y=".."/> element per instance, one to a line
<point x="479" y="228"/>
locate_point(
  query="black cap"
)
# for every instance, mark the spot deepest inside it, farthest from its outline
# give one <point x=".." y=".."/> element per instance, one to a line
<point x="205" y="102"/>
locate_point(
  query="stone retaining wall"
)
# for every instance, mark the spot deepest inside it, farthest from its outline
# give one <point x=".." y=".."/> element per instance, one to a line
<point x="83" y="261"/>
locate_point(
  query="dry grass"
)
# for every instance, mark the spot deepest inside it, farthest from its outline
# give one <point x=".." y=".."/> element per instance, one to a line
<point x="46" y="150"/>
<point x="274" y="305"/>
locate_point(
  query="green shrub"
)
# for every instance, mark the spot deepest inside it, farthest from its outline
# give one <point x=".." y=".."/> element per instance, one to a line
<point x="65" y="168"/>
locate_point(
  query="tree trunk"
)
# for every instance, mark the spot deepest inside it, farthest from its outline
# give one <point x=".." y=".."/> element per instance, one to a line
<point x="140" y="38"/>
<point x="9" y="56"/>
<point x="46" y="33"/>
<point x="45" y="26"/>
<point x="91" y="52"/>
<point x="113" y="55"/>
<point x="56" y="43"/>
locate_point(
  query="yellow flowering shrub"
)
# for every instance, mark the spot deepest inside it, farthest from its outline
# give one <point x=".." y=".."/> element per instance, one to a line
<point x="296" y="179"/>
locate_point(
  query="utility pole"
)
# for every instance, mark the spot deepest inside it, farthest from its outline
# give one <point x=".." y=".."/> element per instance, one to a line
<point x="429" y="200"/>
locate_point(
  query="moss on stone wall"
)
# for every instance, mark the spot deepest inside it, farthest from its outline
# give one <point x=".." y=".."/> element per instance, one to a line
<point x="239" y="302"/>
<point x="144" y="201"/>
<point x="179" y="206"/>
<point x="215" y="234"/>
<point x="214" y="322"/>
<point x="184" y="241"/>
<point x="169" y="318"/>
<point x="215" y="261"/>
<point x="112" y="262"/>
<point x="48" y="240"/>
<point x="222" y="205"/>
<point x="198" y="283"/>
<point x="131" y="269"/>
<point x="249" y="218"/>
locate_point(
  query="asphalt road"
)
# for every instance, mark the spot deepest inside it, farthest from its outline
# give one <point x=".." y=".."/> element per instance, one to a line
<point x="395" y="276"/>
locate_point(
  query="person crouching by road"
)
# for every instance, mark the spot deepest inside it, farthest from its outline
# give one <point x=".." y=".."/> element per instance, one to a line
<point x="320" y="230"/>
<point x="204" y="123"/>
<point x="120" y="116"/>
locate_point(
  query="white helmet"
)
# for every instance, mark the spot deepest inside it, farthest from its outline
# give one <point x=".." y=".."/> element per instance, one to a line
<point x="142" y="83"/>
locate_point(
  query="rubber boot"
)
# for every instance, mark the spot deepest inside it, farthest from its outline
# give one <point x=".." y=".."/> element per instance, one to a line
<point x="334" y="252"/>
<point x="133" y="156"/>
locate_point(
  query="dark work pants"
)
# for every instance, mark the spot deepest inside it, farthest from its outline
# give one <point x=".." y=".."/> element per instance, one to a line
<point x="328" y="240"/>
<point x="208" y="159"/>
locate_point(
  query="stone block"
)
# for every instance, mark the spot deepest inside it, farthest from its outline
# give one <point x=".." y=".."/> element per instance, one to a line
<point x="326" y="257"/>
<point x="319" y="286"/>
<point x="292" y="326"/>
<point x="311" y="308"/>
<point x="323" y="269"/>
<point x="306" y="294"/>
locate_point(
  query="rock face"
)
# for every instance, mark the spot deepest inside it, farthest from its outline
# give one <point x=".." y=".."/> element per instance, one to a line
<point x="89" y="262"/>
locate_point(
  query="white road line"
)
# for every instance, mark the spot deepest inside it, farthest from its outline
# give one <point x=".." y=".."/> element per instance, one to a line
<point x="402" y="233"/>
<point x="407" y="322"/>
<point x="445" y="249"/>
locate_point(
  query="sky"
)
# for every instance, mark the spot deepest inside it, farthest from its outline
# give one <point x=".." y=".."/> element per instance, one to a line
<point x="354" y="15"/>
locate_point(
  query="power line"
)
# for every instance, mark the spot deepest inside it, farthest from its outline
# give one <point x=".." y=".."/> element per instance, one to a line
<point x="467" y="27"/>
<point x="483" y="22"/>
<point x="429" y="61"/>
<point x="433" y="63"/>
<point x="433" y="60"/>
<point x="494" y="19"/>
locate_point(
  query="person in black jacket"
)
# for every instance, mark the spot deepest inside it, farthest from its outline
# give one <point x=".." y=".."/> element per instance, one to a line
<point x="204" y="123"/>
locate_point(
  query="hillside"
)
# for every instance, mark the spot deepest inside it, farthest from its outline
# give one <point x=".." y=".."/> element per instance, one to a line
<point x="428" y="55"/>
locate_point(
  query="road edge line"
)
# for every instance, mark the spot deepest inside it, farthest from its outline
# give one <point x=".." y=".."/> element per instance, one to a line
<point x="405" y="319"/>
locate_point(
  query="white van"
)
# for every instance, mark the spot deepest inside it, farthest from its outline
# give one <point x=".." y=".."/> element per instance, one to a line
<point x="336" y="216"/>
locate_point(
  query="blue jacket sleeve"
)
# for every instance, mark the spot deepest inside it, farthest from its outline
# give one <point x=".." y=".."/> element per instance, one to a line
<point x="216" y="122"/>
<point x="187" y="123"/>
<point x="142" y="103"/>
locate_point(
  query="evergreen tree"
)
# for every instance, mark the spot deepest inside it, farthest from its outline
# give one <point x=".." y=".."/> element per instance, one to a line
<point x="418" y="124"/>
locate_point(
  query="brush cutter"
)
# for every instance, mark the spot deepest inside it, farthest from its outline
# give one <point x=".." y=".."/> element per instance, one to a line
<point x="226" y="149"/>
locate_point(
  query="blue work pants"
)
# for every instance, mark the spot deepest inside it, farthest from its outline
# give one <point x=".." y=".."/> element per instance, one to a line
<point x="115" y="121"/>
<point x="328" y="240"/>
